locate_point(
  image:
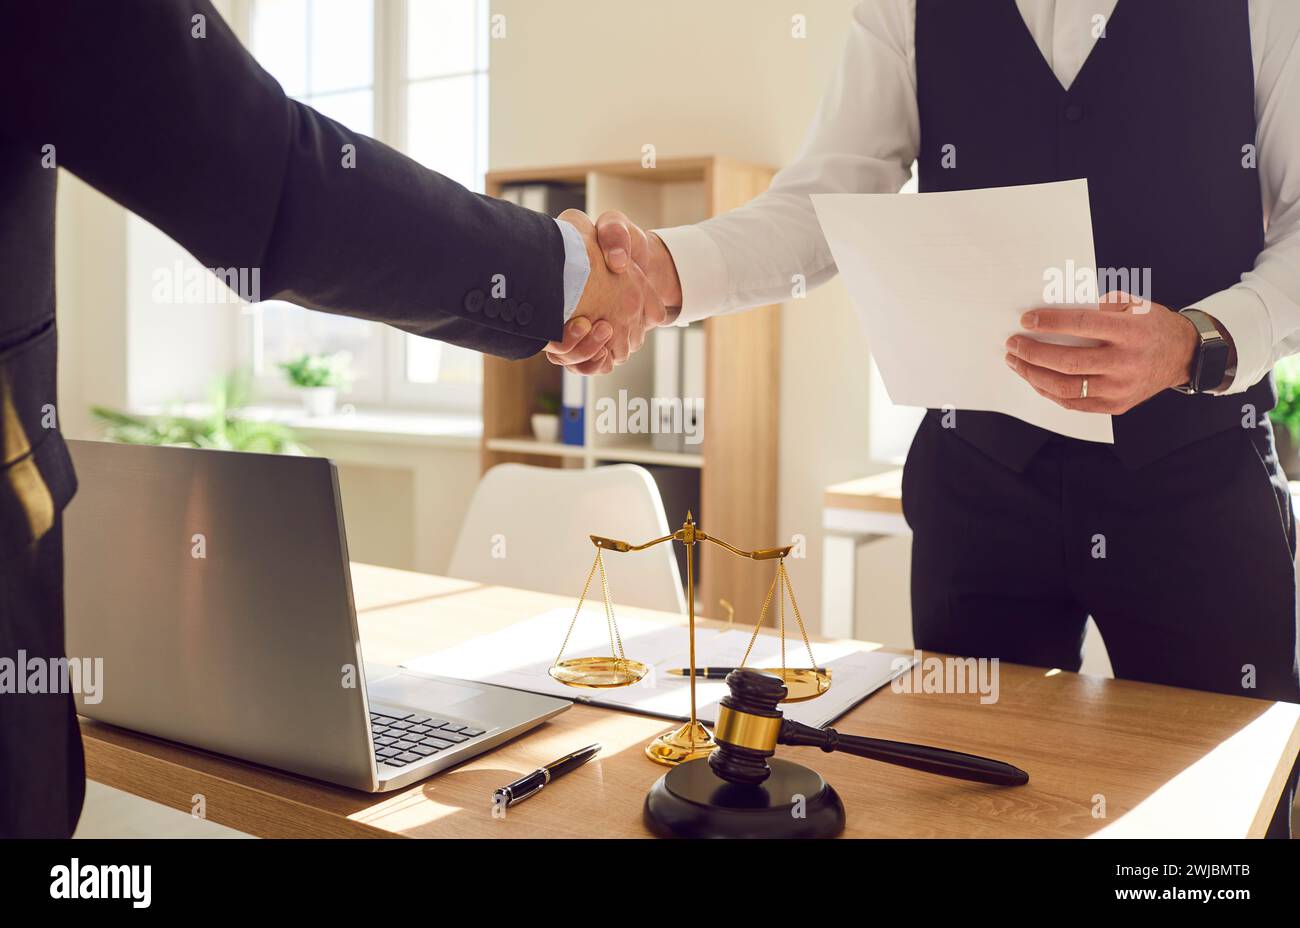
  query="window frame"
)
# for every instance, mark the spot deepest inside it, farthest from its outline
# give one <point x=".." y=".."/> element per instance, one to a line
<point x="391" y="389"/>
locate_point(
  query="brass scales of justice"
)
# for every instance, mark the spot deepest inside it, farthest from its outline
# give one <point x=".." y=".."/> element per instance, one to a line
<point x="692" y="740"/>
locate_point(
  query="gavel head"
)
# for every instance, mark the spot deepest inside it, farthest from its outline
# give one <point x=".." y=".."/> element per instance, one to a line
<point x="748" y="725"/>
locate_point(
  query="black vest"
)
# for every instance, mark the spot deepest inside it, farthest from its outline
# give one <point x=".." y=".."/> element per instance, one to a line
<point x="1156" y="121"/>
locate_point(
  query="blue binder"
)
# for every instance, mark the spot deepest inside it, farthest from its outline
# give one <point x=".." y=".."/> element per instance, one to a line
<point x="573" y="415"/>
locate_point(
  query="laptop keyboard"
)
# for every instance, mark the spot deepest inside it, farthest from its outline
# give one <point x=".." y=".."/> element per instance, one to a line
<point x="403" y="738"/>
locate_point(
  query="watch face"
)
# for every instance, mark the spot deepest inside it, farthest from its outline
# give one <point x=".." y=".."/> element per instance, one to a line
<point x="1212" y="366"/>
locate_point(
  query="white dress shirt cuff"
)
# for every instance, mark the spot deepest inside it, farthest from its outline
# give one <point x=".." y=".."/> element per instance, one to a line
<point x="577" y="267"/>
<point x="701" y="269"/>
<point x="1242" y="313"/>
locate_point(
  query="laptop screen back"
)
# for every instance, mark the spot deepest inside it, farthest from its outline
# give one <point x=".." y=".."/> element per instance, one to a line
<point x="215" y="586"/>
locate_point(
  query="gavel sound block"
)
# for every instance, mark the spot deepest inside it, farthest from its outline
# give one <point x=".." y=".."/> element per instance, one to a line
<point x="741" y="791"/>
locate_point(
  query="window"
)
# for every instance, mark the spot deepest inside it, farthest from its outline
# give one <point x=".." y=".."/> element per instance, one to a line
<point x="413" y="74"/>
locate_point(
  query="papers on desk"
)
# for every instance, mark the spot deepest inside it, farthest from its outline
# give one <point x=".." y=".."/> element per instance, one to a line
<point x="940" y="281"/>
<point x="519" y="657"/>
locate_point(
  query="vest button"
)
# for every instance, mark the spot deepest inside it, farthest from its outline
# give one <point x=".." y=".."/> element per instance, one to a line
<point x="1074" y="112"/>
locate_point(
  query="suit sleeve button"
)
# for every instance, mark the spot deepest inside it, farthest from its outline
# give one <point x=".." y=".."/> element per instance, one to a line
<point x="509" y="308"/>
<point x="492" y="309"/>
<point x="474" y="301"/>
<point x="524" y="314"/>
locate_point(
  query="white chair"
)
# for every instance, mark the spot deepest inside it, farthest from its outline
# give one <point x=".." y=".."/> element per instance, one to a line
<point x="528" y="527"/>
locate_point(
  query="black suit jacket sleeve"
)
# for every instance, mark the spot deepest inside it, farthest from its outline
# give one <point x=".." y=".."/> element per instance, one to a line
<point x="191" y="134"/>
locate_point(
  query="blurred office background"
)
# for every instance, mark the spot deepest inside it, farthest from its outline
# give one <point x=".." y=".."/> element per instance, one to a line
<point x="578" y="82"/>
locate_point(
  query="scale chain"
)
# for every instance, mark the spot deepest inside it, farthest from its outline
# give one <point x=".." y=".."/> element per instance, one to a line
<point x="614" y="635"/>
<point x="782" y="582"/>
<point x="762" y="613"/>
<point x="780" y="602"/>
<point x="803" y="630"/>
<point x="577" y="612"/>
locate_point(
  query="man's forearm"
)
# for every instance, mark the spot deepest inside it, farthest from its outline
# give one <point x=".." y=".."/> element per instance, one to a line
<point x="195" y="137"/>
<point x="734" y="262"/>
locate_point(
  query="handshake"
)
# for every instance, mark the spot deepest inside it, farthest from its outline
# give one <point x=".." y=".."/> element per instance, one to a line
<point x="632" y="288"/>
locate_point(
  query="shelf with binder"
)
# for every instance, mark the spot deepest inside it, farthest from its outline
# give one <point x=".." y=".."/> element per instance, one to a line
<point x="527" y="444"/>
<point x="631" y="452"/>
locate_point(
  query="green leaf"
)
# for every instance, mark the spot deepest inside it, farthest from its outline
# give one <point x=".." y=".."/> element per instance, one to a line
<point x="222" y="428"/>
<point x="319" y="370"/>
<point x="1286" y="414"/>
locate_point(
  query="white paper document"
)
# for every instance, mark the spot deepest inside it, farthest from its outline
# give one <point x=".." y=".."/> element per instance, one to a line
<point x="519" y="657"/>
<point x="940" y="281"/>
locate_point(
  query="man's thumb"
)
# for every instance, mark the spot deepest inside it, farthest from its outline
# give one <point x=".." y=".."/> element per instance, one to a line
<point x="615" y="242"/>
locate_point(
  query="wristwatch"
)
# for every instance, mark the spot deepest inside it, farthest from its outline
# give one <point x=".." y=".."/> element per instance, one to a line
<point x="1210" y="363"/>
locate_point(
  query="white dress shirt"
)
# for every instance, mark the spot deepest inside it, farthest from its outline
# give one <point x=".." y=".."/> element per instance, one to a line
<point x="865" y="138"/>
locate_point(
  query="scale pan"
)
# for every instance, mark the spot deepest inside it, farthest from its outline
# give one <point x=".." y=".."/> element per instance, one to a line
<point x="802" y="683"/>
<point x="598" y="673"/>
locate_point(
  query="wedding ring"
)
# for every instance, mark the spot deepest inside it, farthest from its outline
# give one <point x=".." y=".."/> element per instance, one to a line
<point x="1083" y="394"/>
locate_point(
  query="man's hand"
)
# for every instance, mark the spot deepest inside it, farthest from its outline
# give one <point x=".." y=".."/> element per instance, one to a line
<point x="625" y="243"/>
<point x="1143" y="348"/>
<point x="627" y="250"/>
<point x="611" y="319"/>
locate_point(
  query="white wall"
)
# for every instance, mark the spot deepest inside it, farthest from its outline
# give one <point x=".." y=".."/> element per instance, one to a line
<point x="588" y="80"/>
<point x="174" y="350"/>
<point x="90" y="281"/>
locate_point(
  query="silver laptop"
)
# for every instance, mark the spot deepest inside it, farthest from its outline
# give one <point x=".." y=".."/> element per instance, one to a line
<point x="216" y="588"/>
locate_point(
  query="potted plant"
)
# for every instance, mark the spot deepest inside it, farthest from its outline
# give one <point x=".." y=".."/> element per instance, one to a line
<point x="222" y="427"/>
<point x="546" y="421"/>
<point x="319" y="377"/>
<point x="1286" y="414"/>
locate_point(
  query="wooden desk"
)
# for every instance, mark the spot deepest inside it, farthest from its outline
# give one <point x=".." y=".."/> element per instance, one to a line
<point x="1166" y="761"/>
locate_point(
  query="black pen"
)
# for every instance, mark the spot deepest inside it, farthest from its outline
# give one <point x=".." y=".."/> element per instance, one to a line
<point x="526" y="786"/>
<point x="712" y="673"/>
<point x="703" y="673"/>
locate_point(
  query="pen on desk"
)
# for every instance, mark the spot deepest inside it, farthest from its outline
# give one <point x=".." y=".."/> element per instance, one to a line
<point x="706" y="673"/>
<point x="702" y="673"/>
<point x="526" y="786"/>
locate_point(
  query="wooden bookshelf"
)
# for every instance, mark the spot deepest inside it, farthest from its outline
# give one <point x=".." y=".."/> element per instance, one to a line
<point x="737" y="460"/>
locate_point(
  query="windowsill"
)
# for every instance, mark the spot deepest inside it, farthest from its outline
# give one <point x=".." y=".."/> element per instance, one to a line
<point x="390" y="426"/>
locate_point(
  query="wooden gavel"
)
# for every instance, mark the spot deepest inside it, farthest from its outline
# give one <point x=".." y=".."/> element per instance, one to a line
<point x="750" y="726"/>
